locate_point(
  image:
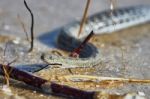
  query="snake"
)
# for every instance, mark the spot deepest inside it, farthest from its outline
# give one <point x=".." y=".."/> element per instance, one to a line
<point x="100" y="23"/>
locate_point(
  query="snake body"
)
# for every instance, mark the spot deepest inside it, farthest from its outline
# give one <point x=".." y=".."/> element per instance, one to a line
<point x="105" y="22"/>
<point x="69" y="62"/>
<point x="100" y="23"/>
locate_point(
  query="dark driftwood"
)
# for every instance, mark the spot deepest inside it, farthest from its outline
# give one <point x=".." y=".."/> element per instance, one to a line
<point x="23" y="76"/>
<point x="76" y="52"/>
<point x="71" y="92"/>
<point x="40" y="82"/>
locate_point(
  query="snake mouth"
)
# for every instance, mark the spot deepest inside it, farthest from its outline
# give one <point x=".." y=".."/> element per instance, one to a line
<point x="69" y="43"/>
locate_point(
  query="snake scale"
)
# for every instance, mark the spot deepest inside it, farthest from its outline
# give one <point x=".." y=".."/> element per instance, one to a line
<point x="100" y="23"/>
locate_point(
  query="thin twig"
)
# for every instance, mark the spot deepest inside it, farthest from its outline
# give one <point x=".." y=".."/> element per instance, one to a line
<point x="112" y="8"/>
<point x="23" y="26"/>
<point x="6" y="74"/>
<point x="113" y="4"/>
<point x="13" y="61"/>
<point x="84" y="17"/>
<point x="32" y="26"/>
<point x="4" y="54"/>
<point x="76" y="52"/>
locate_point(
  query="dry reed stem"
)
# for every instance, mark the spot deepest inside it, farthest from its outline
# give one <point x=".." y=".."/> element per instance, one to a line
<point x="6" y="75"/>
<point x="84" y="78"/>
<point x="84" y="17"/>
<point x="23" y="27"/>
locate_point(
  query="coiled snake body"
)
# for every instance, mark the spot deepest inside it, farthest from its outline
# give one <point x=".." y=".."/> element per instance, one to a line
<point x="100" y="23"/>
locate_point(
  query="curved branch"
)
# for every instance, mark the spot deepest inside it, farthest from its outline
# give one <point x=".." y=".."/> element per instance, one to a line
<point x="32" y="26"/>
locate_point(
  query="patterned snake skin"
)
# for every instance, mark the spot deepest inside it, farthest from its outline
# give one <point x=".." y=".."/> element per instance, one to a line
<point x="100" y="23"/>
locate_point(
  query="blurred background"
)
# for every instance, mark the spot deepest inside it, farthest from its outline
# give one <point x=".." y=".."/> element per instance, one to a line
<point x="50" y="14"/>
